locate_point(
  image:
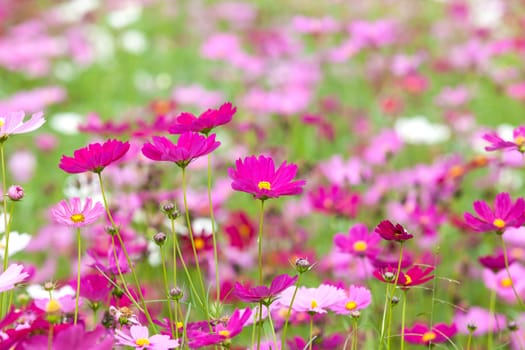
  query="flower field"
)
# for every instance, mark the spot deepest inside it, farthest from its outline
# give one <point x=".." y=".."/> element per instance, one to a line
<point x="262" y="175"/>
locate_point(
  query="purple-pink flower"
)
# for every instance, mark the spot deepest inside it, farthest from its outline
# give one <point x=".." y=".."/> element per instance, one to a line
<point x="257" y="176"/>
<point x="13" y="275"/>
<point x="205" y="122"/>
<point x="138" y="338"/>
<point x="222" y="332"/>
<point x="189" y="146"/>
<point x="317" y="300"/>
<point x="496" y="142"/>
<point x="357" y="298"/>
<point x="76" y="214"/>
<point x="358" y="241"/>
<point x="264" y="294"/>
<point x="422" y="334"/>
<point x="13" y="123"/>
<point x="505" y="214"/>
<point x="95" y="157"/>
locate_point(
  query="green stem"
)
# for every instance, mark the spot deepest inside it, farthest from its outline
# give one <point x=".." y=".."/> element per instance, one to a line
<point x="259" y="241"/>
<point x="506" y="258"/>
<point x="403" y="312"/>
<point x="274" y="336"/>
<point x="354" y="336"/>
<point x="79" y="256"/>
<point x="311" y="332"/>
<point x="287" y="318"/>
<point x="174" y="246"/>
<point x="398" y="272"/>
<point x="469" y="340"/>
<point x="174" y="332"/>
<point x="124" y="250"/>
<point x="259" y="326"/>
<point x="492" y="306"/>
<point x="383" y="320"/>
<point x="213" y="234"/>
<point x="4" y="202"/>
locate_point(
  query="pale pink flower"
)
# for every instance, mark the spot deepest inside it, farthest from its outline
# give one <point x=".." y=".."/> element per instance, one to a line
<point x="139" y="338"/>
<point x="73" y="213"/>
<point x="318" y="300"/>
<point x="12" y="276"/>
<point x="13" y="123"/>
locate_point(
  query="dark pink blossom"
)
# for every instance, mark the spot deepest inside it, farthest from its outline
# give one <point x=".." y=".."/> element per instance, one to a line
<point x="264" y="294"/>
<point x="388" y="231"/>
<point x="205" y="122"/>
<point x="424" y="335"/>
<point x="95" y="157"/>
<point x="505" y="214"/>
<point x="497" y="143"/>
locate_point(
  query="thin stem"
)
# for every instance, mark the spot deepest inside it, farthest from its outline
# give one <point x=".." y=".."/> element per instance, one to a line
<point x="124" y="250"/>
<point x="287" y="318"/>
<point x="274" y="336"/>
<point x="259" y="326"/>
<point x="354" y="336"/>
<point x="403" y="312"/>
<point x="4" y="202"/>
<point x="506" y="258"/>
<point x="50" y="337"/>
<point x="213" y="234"/>
<point x="311" y="332"/>
<point x="398" y="272"/>
<point x="188" y="276"/>
<point x="259" y="241"/>
<point x="79" y="257"/>
<point x="492" y="306"/>
<point x="174" y="244"/>
<point x="383" y="320"/>
<point x="469" y="340"/>
<point x="174" y="334"/>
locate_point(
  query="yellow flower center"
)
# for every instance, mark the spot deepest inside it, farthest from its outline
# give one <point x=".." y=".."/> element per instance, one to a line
<point x="244" y="231"/>
<point x="224" y="333"/>
<point x="351" y="305"/>
<point x="314" y="304"/>
<point x="519" y="140"/>
<point x="52" y="306"/>
<point x="2" y="122"/>
<point x="76" y="218"/>
<point x="408" y="280"/>
<point x="360" y="246"/>
<point x="199" y="243"/>
<point x="264" y="185"/>
<point x="428" y="336"/>
<point x="499" y="223"/>
<point x="506" y="282"/>
<point x="179" y="324"/>
<point x="142" y="341"/>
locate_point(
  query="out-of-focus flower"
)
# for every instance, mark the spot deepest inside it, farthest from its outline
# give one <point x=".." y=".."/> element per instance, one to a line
<point x="418" y="130"/>
<point x="13" y="123"/>
<point x="13" y="275"/>
<point x="17" y="243"/>
<point x="391" y="232"/>
<point x="503" y="285"/>
<point x="264" y="294"/>
<point x="95" y="157"/>
<point x="21" y="165"/>
<point x="138" y="338"/>
<point x="497" y="143"/>
<point x="424" y="335"/>
<point x="317" y="300"/>
<point x="258" y="177"/>
<point x="73" y="213"/>
<point x="205" y="122"/>
<point x="358" y="241"/>
<point x="358" y="298"/>
<point x="481" y="319"/>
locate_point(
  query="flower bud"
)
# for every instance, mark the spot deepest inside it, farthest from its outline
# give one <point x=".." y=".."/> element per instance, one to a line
<point x="15" y="193"/>
<point x="170" y="209"/>
<point x="472" y="327"/>
<point x="176" y="293"/>
<point x="160" y="238"/>
<point x="512" y="326"/>
<point x="389" y="276"/>
<point x="355" y="314"/>
<point x="49" y="286"/>
<point x="111" y="230"/>
<point x="302" y="265"/>
<point x="395" y="300"/>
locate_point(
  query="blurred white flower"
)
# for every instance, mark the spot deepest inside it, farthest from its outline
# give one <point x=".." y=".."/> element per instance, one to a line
<point x="36" y="291"/>
<point x="125" y="16"/>
<point x="134" y="41"/>
<point x="66" y="123"/>
<point x="17" y="243"/>
<point x="418" y="130"/>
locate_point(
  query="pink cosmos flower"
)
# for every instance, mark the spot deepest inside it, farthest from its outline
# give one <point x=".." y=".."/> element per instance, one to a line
<point x="414" y="276"/>
<point x="72" y="337"/>
<point x="358" y="242"/>
<point x="422" y="334"/>
<point x="318" y="300"/>
<point x="222" y="332"/>
<point x="13" y="275"/>
<point x="258" y="177"/>
<point x="358" y="298"/>
<point x="505" y="214"/>
<point x="481" y="319"/>
<point x="335" y="200"/>
<point x="496" y="142"/>
<point x="190" y="146"/>
<point x="74" y="214"/>
<point x="391" y="232"/>
<point x="205" y="122"/>
<point x="138" y="338"/>
<point x="64" y="304"/>
<point x="95" y="157"/>
<point x="13" y="123"/>
<point x="264" y="294"/>
<point x="502" y="284"/>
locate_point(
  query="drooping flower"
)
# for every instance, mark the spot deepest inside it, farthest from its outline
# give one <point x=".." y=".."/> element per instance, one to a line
<point x="424" y="335"/>
<point x="388" y="231"/>
<point x="414" y="276"/>
<point x="258" y="177"/>
<point x="505" y="214"/>
<point x="13" y="123"/>
<point x="74" y="214"/>
<point x="205" y="122"/>
<point x="13" y="275"/>
<point x="189" y="146"/>
<point x="264" y="294"/>
<point x="138" y="338"/>
<point x="95" y="157"/>
<point x="358" y="242"/>
<point x="497" y="143"/>
<point x="358" y="298"/>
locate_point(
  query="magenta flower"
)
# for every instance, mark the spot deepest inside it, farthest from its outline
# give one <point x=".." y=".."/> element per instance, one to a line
<point x="258" y="177"/>
<point x="422" y="334"/>
<point x="388" y="231"/>
<point x="13" y="123"/>
<point x="317" y="300"/>
<point x="205" y="122"/>
<point x="13" y="275"/>
<point x="74" y="214"/>
<point x="495" y="262"/>
<point x="190" y="146"/>
<point x="95" y="157"/>
<point x="414" y="276"/>
<point x="358" y="242"/>
<point x="264" y="294"/>
<point x="505" y="214"/>
<point x="72" y="337"/>
<point x="496" y="142"/>
<point x="222" y="332"/>
<point x="138" y="338"/>
<point x="358" y="298"/>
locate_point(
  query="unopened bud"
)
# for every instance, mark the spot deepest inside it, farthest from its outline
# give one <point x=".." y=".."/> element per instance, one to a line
<point x="160" y="238"/>
<point x="170" y="209"/>
<point x="111" y="230"/>
<point x="176" y="293"/>
<point x="355" y="314"/>
<point x="395" y="300"/>
<point x="15" y="193"/>
<point x="389" y="276"/>
<point x="49" y="286"/>
<point x="512" y="326"/>
<point x="302" y="265"/>
<point x="471" y="327"/>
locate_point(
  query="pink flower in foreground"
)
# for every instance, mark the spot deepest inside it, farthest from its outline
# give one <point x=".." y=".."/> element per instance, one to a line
<point x="505" y="214"/>
<point x="13" y="123"/>
<point x="205" y="122"/>
<point x="496" y="142"/>
<point x="12" y="276"/>
<point x="358" y="298"/>
<point x="73" y="213"/>
<point x="264" y="294"/>
<point x="95" y="157"/>
<point x="258" y="177"/>
<point x="138" y="338"/>
<point x="189" y="146"/>
<point x="422" y="334"/>
<point x="318" y="300"/>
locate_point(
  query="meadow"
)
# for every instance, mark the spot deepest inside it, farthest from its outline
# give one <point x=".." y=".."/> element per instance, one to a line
<point x="262" y="175"/>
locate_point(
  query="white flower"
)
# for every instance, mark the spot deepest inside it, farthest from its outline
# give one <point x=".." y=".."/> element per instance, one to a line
<point x="17" y="243"/>
<point x="36" y="291"/>
<point x="66" y="123"/>
<point x="418" y="130"/>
